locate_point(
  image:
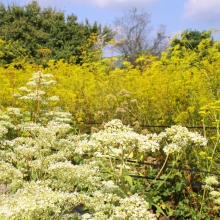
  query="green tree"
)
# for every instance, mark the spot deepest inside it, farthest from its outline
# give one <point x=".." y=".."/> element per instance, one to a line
<point x="37" y="28"/>
<point x="196" y="41"/>
<point x="190" y="39"/>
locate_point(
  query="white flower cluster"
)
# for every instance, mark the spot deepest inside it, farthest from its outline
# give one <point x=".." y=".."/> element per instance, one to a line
<point x="48" y="133"/>
<point x="57" y="127"/>
<point x="36" y="201"/>
<point x="178" y="137"/>
<point x="215" y="194"/>
<point x="171" y="148"/>
<point x="47" y="153"/>
<point x="24" y="89"/>
<point x="14" y="111"/>
<point x="42" y="147"/>
<point x="100" y="203"/>
<point x="36" y="92"/>
<point x="117" y="139"/>
<point x="54" y="98"/>
<point x="110" y="207"/>
<point x="87" y="146"/>
<point x="34" y="95"/>
<point x="3" y="131"/>
<point x="5" y="124"/>
<point x="132" y="208"/>
<point x="10" y="175"/>
<point x="211" y="180"/>
<point x="71" y="177"/>
<point x="42" y="78"/>
<point x="116" y="125"/>
<point x="58" y="115"/>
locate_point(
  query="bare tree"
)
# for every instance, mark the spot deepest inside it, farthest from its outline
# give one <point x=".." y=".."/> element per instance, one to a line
<point x="160" y="42"/>
<point x="133" y="34"/>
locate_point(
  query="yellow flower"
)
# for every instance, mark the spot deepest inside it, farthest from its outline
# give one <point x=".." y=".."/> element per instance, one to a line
<point x="202" y="153"/>
<point x="209" y="158"/>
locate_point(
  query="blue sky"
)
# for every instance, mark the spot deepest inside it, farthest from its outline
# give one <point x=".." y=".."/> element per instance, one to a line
<point x="177" y="15"/>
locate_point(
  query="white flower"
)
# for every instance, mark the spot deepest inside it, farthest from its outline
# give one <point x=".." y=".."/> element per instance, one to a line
<point x="215" y="193"/>
<point x="217" y="201"/>
<point x="24" y="89"/>
<point x="53" y="98"/>
<point x="133" y="207"/>
<point x="179" y="137"/>
<point x="171" y="148"/>
<point x="211" y="180"/>
<point x="14" y="111"/>
<point x="32" y="84"/>
<point x="37" y="201"/>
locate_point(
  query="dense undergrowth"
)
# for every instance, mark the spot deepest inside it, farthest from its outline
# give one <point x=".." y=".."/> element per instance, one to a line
<point x="54" y="166"/>
<point x="164" y="91"/>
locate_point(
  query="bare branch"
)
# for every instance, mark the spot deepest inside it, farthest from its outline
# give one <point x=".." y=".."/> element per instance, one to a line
<point x="133" y="34"/>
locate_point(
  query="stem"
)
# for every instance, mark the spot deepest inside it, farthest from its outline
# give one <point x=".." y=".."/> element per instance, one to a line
<point x="159" y="171"/>
<point x="216" y="144"/>
<point x="202" y="203"/>
<point x="163" y="181"/>
<point x="38" y="99"/>
<point x="203" y="125"/>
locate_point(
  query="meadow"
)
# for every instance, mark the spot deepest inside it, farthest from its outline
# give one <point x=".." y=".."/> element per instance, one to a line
<point x="76" y="141"/>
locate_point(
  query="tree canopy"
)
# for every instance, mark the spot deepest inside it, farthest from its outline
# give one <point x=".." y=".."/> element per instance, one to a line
<point x="190" y="39"/>
<point x="27" y="30"/>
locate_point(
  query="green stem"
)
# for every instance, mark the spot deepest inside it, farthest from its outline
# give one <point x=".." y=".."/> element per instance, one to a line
<point x="163" y="181"/>
<point x="216" y="143"/>
<point x="202" y="203"/>
<point x="168" y="173"/>
<point x="159" y="171"/>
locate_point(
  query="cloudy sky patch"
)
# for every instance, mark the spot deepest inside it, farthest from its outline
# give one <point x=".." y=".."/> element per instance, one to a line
<point x="105" y="4"/>
<point x="202" y="11"/>
<point x="175" y="14"/>
<point x="115" y="3"/>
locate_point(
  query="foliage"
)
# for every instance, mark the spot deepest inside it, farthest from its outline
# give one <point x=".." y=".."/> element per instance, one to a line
<point x="41" y="159"/>
<point x="190" y="39"/>
<point x="167" y="91"/>
<point x="110" y="170"/>
<point x="34" y="28"/>
<point x="44" y="159"/>
<point x="43" y="149"/>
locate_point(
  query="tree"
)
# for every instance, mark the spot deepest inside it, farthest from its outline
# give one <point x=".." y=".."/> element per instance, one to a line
<point x="190" y="39"/>
<point x="133" y="34"/>
<point x="194" y="40"/>
<point x="34" y="28"/>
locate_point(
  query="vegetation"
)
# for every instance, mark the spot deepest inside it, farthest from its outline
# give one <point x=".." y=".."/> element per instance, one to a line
<point x="98" y="172"/>
<point x="116" y="168"/>
<point x="133" y="35"/>
<point x="166" y="91"/>
<point x="190" y="39"/>
<point x="28" y="30"/>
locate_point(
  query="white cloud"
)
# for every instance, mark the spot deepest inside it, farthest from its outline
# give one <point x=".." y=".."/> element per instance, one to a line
<point x="202" y="11"/>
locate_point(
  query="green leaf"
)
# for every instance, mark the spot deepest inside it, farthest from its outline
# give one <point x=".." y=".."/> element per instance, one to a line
<point x="164" y="176"/>
<point x="129" y="180"/>
<point x="178" y="187"/>
<point x="159" y="210"/>
<point x="33" y="176"/>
